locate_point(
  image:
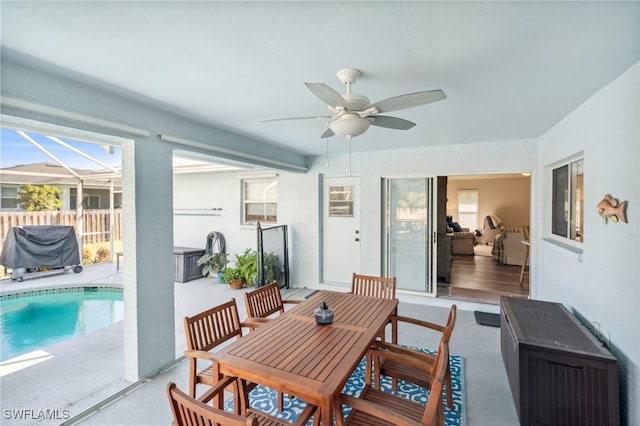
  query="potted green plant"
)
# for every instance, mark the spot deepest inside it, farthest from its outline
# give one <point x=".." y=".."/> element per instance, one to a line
<point x="213" y="263"/>
<point x="234" y="277"/>
<point x="247" y="263"/>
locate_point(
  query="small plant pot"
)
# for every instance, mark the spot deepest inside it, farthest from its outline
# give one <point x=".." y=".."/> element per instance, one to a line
<point x="236" y="284"/>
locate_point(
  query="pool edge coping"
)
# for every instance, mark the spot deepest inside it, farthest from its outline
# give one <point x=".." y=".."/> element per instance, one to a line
<point x="10" y="294"/>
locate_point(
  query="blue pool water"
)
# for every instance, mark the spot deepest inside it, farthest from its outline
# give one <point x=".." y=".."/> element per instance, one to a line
<point x="33" y="322"/>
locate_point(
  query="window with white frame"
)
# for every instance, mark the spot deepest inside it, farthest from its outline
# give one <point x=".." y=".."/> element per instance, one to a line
<point x="567" y="203"/>
<point x="9" y="197"/>
<point x="259" y="201"/>
<point x="468" y="208"/>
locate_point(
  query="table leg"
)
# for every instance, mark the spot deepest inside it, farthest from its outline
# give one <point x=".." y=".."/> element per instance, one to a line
<point x="524" y="265"/>
<point x="326" y="413"/>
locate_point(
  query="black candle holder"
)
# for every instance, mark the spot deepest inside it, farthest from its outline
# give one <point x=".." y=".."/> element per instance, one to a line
<point x="324" y="314"/>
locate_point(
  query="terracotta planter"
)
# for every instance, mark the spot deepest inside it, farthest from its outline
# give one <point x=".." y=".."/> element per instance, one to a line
<point x="236" y="284"/>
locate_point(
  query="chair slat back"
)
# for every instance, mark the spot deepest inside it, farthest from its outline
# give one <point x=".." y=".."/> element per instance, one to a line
<point x="434" y="411"/>
<point x="381" y="287"/>
<point x="264" y="301"/>
<point x="212" y="327"/>
<point x="188" y="411"/>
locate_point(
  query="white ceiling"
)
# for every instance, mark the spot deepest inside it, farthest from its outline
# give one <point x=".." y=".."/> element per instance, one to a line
<point x="511" y="70"/>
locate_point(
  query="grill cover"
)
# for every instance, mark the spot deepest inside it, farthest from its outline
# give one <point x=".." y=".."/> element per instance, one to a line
<point x="48" y="246"/>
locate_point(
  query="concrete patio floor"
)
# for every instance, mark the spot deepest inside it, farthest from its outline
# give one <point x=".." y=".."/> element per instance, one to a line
<point x="73" y="382"/>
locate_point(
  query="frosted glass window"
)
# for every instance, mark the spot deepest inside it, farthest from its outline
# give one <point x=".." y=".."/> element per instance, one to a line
<point x="341" y="201"/>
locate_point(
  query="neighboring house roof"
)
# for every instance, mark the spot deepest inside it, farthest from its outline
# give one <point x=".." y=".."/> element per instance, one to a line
<point x="54" y="174"/>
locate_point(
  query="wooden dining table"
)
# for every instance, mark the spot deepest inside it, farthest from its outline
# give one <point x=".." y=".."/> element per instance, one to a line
<point x="294" y="355"/>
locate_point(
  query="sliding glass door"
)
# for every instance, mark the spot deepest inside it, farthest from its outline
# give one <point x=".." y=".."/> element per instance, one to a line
<point x="409" y="233"/>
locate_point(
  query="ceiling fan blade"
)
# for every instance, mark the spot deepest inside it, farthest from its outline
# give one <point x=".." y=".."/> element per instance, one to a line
<point x="409" y="100"/>
<point x="318" y="117"/>
<point x="327" y="133"/>
<point x="391" y="122"/>
<point x="327" y="95"/>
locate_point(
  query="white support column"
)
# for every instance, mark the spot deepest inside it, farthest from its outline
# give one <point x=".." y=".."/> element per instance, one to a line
<point x="148" y="247"/>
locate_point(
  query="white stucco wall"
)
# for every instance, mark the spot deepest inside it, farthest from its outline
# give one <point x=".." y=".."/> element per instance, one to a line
<point x="602" y="284"/>
<point x="299" y="203"/>
<point x="194" y="198"/>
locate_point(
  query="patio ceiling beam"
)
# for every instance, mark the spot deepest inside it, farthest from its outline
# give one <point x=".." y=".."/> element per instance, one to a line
<point x="232" y="154"/>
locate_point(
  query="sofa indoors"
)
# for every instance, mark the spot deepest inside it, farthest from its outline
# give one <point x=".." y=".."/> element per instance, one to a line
<point x="462" y="242"/>
<point x="508" y="248"/>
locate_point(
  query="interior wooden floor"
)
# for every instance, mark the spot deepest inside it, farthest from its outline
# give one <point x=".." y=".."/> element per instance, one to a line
<point x="483" y="278"/>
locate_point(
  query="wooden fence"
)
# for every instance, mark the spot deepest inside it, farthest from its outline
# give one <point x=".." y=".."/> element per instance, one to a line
<point x="95" y="223"/>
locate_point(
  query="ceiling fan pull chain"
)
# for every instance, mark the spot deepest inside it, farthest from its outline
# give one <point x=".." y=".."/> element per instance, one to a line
<point x="328" y="151"/>
<point x="349" y="137"/>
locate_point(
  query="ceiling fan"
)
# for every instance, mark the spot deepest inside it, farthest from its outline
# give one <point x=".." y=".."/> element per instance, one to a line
<point x="352" y="114"/>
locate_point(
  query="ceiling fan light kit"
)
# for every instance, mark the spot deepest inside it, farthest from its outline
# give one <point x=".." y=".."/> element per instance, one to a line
<point x="352" y="114"/>
<point x="349" y="125"/>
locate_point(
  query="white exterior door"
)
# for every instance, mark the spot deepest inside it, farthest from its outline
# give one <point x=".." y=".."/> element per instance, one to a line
<point x="340" y="229"/>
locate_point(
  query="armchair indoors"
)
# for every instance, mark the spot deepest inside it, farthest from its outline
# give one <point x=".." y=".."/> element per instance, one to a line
<point x="508" y="248"/>
<point x="491" y="227"/>
<point x="462" y="241"/>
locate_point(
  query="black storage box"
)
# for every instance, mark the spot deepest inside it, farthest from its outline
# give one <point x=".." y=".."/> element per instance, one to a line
<point x="185" y="266"/>
<point x="559" y="373"/>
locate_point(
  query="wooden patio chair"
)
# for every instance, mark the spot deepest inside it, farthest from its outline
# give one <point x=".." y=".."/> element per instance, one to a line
<point x="374" y="407"/>
<point x="262" y="303"/>
<point x="188" y="411"/>
<point x="367" y="285"/>
<point x="204" y="332"/>
<point x="412" y="365"/>
<point x="382" y="287"/>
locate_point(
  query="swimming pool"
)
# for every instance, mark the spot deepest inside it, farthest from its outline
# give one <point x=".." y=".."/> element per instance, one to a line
<point x="35" y="321"/>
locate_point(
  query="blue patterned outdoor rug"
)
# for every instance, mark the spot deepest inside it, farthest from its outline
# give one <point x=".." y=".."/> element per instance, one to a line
<point x="264" y="399"/>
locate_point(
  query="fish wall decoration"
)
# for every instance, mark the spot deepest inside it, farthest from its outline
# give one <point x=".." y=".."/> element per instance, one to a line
<point x="609" y="208"/>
